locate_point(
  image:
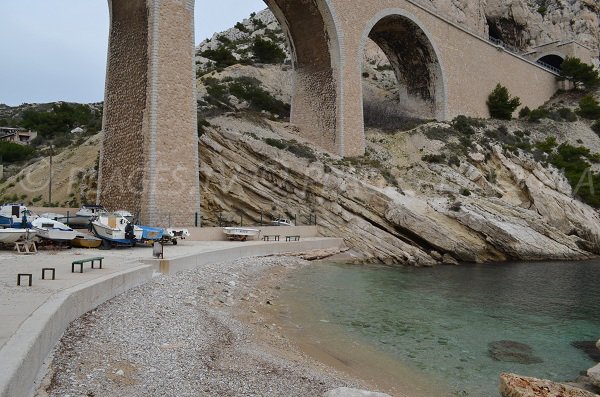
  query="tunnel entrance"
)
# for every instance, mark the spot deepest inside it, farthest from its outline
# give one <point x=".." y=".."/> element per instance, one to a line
<point x="551" y="60"/>
<point x="403" y="74"/>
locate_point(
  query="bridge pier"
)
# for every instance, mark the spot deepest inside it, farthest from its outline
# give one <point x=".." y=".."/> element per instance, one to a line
<point x="149" y="155"/>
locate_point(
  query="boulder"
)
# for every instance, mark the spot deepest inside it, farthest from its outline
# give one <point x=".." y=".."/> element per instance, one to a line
<point x="512" y="385"/>
<point x="594" y="374"/>
<point x="347" y="392"/>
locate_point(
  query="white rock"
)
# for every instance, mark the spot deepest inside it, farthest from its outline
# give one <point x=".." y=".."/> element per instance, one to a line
<point x="594" y="374"/>
<point x="347" y="392"/>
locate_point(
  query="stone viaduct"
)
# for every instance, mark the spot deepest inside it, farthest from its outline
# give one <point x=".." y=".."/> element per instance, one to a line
<point x="149" y="156"/>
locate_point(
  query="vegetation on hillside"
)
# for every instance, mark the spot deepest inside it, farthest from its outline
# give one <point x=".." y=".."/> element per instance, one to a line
<point x="579" y="73"/>
<point x="500" y="104"/>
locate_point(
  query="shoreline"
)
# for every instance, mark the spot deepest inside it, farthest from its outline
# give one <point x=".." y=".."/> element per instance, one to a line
<point x="195" y="332"/>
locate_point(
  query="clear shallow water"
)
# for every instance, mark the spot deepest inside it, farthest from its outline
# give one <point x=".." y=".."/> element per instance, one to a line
<point x="441" y="321"/>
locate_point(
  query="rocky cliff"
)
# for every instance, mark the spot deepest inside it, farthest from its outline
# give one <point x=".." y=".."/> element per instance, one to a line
<point x="487" y="204"/>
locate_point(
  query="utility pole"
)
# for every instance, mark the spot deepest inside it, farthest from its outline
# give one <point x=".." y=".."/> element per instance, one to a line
<point x="50" y="178"/>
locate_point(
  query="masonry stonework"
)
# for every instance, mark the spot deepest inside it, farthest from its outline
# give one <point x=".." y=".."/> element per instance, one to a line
<point x="149" y="159"/>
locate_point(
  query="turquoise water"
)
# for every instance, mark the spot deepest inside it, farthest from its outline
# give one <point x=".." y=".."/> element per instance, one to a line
<point x="447" y="322"/>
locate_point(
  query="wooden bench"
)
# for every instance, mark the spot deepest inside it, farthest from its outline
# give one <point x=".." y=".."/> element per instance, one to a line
<point x="268" y="237"/>
<point x="81" y="262"/>
<point x="292" y="238"/>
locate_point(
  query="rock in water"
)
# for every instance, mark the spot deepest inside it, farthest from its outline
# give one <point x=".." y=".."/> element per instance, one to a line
<point x="512" y="352"/>
<point x="347" y="392"/>
<point x="594" y="374"/>
<point x="588" y="347"/>
<point x="512" y="385"/>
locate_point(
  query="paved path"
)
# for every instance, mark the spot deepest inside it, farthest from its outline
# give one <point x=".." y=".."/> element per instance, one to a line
<point x="33" y="318"/>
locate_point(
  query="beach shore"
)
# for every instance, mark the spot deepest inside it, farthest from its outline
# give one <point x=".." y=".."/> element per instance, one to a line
<point x="198" y="332"/>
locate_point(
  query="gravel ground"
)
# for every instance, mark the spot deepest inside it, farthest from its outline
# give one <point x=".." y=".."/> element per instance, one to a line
<point x="181" y="335"/>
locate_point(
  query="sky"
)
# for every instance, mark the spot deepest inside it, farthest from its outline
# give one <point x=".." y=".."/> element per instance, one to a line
<point x="55" y="50"/>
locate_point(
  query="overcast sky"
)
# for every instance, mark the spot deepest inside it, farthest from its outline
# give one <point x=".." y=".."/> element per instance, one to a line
<point x="53" y="50"/>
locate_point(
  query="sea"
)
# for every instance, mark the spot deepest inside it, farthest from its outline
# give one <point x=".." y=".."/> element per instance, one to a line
<point x="448" y="330"/>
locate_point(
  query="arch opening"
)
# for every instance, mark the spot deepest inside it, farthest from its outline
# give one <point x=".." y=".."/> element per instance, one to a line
<point x="407" y="67"/>
<point x="552" y="60"/>
<point x="314" y="51"/>
<point x="309" y="31"/>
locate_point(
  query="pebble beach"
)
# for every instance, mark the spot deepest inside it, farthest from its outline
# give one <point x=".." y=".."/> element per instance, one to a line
<point x="198" y="332"/>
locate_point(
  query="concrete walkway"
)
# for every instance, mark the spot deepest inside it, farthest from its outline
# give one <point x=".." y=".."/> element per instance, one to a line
<point x="34" y="318"/>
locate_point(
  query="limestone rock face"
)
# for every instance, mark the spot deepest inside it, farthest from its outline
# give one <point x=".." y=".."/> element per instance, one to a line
<point x="519" y="386"/>
<point x="347" y="392"/>
<point x="535" y="219"/>
<point x="524" y="24"/>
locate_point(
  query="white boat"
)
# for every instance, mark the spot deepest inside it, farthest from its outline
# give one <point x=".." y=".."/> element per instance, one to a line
<point x="12" y="215"/>
<point x="116" y="229"/>
<point x="125" y="214"/>
<point x="174" y="234"/>
<point x="81" y="218"/>
<point x="282" y="222"/>
<point x="240" y="233"/>
<point x="53" y="230"/>
<point x="11" y="235"/>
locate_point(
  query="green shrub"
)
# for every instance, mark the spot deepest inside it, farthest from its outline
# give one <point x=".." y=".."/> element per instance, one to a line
<point x="574" y="163"/>
<point x="13" y="152"/>
<point x="579" y="73"/>
<point x="464" y="124"/>
<point x="524" y="112"/>
<point x="266" y="51"/>
<point x="221" y="56"/>
<point x="294" y="147"/>
<point x="465" y="192"/>
<point x="240" y="26"/>
<point x="589" y="108"/>
<point x="596" y="127"/>
<point x="567" y="114"/>
<point x="537" y="114"/>
<point x="500" y="104"/>
<point x="434" y="158"/>
<point x="249" y="89"/>
<point x="61" y="119"/>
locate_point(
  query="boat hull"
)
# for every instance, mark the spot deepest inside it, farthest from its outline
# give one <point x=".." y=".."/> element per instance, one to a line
<point x="114" y="236"/>
<point x="240" y="233"/>
<point x="86" y="242"/>
<point x="11" y="236"/>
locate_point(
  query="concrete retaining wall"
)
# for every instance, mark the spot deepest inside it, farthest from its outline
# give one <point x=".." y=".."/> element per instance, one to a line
<point x="251" y="250"/>
<point x="24" y="353"/>
<point x="216" y="233"/>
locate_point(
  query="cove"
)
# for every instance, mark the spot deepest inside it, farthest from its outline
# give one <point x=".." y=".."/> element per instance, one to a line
<point x="458" y="327"/>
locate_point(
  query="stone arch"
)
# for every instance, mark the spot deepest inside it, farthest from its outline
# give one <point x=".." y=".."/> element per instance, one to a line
<point x="414" y="57"/>
<point x="553" y="59"/>
<point x="311" y="28"/>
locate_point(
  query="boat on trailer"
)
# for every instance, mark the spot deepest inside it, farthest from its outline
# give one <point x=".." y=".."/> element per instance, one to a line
<point x="53" y="230"/>
<point x="15" y="215"/>
<point x="86" y="241"/>
<point x="114" y="229"/>
<point x="81" y="218"/>
<point x="173" y="235"/>
<point x="240" y="233"/>
<point x="13" y="235"/>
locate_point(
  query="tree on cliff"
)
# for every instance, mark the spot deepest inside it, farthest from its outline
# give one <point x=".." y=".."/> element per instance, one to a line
<point x="500" y="104"/>
<point x="580" y="74"/>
